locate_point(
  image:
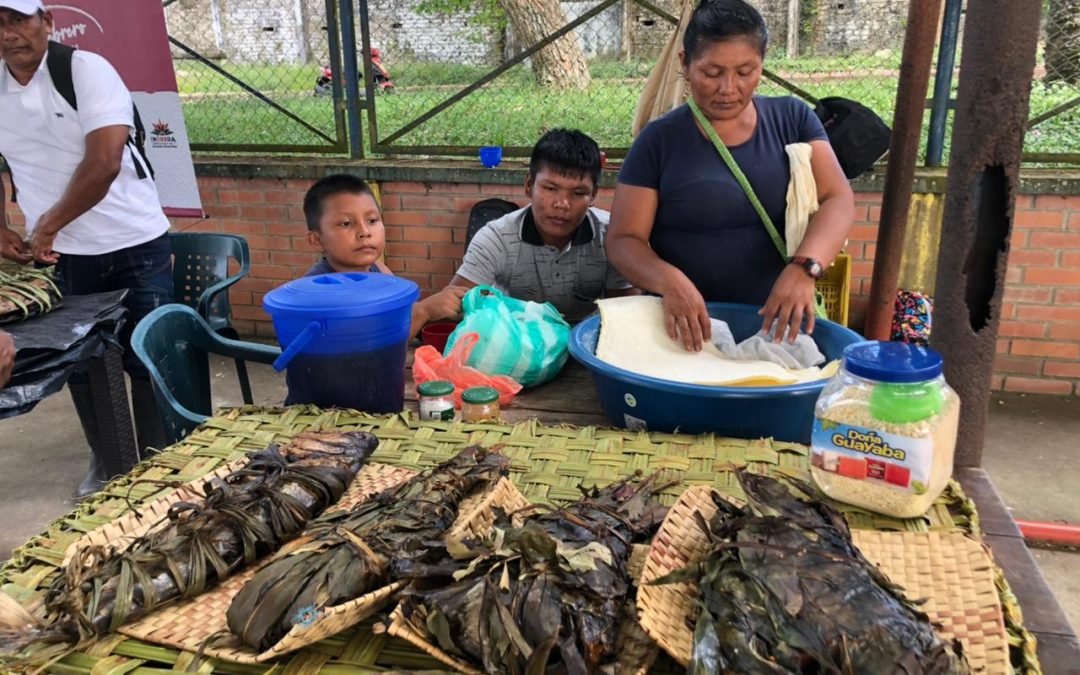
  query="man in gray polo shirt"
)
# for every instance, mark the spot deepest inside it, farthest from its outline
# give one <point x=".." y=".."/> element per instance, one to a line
<point x="553" y="249"/>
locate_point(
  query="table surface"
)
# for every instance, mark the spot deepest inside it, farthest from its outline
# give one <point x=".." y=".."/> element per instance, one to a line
<point x="571" y="399"/>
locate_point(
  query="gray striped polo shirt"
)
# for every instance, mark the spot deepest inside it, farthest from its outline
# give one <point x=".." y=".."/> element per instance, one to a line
<point x="508" y="254"/>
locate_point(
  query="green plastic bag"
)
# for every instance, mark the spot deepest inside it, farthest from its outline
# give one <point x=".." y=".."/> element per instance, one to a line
<point x="524" y="340"/>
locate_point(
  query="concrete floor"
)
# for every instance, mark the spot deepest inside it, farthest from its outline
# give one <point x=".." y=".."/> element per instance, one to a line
<point x="1031" y="451"/>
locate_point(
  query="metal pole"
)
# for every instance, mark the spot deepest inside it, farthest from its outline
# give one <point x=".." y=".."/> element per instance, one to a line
<point x="352" y="78"/>
<point x="939" y="112"/>
<point x="1000" y="37"/>
<point x="369" y="78"/>
<point x="903" y="155"/>
<point x="333" y="36"/>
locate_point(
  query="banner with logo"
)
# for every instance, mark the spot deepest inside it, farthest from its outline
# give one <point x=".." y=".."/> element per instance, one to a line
<point x="133" y="36"/>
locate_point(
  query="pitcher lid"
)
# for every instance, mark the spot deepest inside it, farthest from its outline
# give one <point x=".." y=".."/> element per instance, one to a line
<point x="341" y="295"/>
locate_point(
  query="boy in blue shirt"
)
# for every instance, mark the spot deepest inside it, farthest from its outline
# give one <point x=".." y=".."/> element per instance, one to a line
<point x="345" y="225"/>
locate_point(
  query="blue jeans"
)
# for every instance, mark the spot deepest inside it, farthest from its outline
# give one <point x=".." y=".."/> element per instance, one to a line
<point x="144" y="270"/>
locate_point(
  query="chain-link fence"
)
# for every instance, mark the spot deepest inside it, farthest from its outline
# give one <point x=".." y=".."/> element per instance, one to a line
<point x="592" y="78"/>
<point x="247" y="72"/>
<point x="1055" y="95"/>
<point x="452" y="75"/>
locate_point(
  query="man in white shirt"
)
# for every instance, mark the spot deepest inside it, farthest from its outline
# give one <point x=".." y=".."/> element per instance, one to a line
<point x="90" y="202"/>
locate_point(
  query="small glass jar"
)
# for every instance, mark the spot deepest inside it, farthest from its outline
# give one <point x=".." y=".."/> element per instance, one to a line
<point x="436" y="400"/>
<point x="885" y="429"/>
<point x="480" y="404"/>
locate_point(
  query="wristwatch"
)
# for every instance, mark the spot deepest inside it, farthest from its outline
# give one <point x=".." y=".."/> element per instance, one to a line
<point x="809" y="265"/>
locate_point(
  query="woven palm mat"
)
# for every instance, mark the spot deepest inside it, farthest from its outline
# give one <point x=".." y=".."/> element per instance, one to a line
<point x="955" y="575"/>
<point x="950" y="571"/>
<point x="191" y="624"/>
<point x="549" y="464"/>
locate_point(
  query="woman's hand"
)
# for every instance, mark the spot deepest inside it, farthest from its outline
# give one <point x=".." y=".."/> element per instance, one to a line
<point x="791" y="299"/>
<point x="685" y="314"/>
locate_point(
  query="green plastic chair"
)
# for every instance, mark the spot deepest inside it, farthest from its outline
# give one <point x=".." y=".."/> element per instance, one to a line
<point x="201" y="280"/>
<point x="174" y="343"/>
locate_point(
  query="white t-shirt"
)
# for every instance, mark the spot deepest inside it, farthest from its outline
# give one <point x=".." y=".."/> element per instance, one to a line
<point x="43" y="140"/>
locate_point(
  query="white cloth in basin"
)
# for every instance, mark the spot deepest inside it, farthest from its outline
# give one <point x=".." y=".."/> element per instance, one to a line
<point x="633" y="337"/>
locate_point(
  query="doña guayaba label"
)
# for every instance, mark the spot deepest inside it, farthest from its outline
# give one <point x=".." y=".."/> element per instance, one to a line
<point x="871" y="455"/>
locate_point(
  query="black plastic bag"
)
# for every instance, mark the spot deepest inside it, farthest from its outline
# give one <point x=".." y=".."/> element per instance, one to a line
<point x="27" y="389"/>
<point x="69" y="324"/>
<point x="49" y="348"/>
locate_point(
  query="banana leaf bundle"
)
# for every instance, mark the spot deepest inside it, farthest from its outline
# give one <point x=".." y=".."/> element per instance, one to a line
<point x="244" y="516"/>
<point x="784" y="590"/>
<point x="25" y="293"/>
<point x="344" y="556"/>
<point x="547" y="596"/>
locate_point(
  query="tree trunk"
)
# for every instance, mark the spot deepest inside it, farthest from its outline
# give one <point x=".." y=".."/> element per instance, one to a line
<point x="1063" y="42"/>
<point x="793" y="14"/>
<point x="560" y="65"/>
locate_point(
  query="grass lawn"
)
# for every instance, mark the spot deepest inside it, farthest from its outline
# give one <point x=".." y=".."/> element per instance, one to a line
<point x="512" y="111"/>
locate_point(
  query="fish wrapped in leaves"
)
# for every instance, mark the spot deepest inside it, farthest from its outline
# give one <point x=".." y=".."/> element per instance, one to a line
<point x="345" y="555"/>
<point x="243" y="517"/>
<point x="785" y="591"/>
<point x="548" y="595"/>
<point x="26" y="292"/>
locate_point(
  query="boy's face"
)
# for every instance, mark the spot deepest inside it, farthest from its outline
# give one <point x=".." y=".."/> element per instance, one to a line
<point x="351" y="233"/>
<point x="559" y="203"/>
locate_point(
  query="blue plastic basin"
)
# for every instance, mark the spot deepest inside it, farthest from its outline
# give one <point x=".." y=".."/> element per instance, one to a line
<point x="639" y="402"/>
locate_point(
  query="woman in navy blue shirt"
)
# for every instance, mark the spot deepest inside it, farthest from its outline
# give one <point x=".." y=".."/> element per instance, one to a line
<point x="683" y="228"/>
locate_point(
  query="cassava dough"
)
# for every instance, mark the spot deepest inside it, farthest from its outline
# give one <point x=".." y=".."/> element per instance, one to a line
<point x="633" y="337"/>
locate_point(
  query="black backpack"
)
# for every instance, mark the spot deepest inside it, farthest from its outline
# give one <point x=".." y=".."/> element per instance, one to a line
<point x="857" y="135"/>
<point x="58" y="61"/>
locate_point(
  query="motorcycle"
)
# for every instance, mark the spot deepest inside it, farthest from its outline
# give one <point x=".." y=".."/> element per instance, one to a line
<point x="382" y="81"/>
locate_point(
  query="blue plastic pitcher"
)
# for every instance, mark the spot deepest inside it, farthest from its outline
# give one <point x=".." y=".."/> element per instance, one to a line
<point x="343" y="339"/>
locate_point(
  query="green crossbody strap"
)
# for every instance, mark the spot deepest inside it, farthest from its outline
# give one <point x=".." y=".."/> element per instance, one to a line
<point x="740" y="177"/>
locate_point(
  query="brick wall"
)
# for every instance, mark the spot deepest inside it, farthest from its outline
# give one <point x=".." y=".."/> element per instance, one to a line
<point x="1039" y="341"/>
<point x="1039" y="344"/>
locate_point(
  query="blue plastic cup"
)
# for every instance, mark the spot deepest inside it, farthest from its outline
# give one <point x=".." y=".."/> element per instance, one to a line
<point x="491" y="156"/>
